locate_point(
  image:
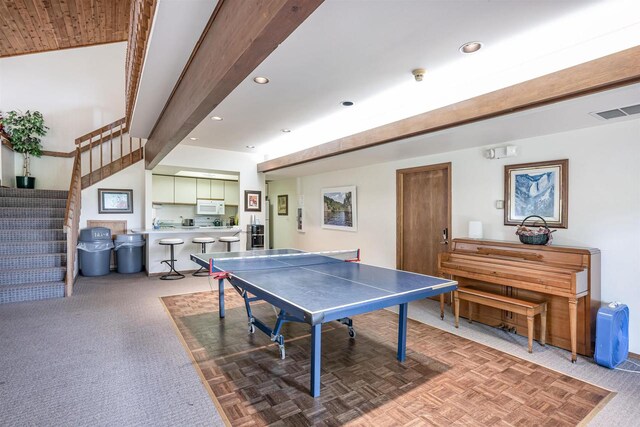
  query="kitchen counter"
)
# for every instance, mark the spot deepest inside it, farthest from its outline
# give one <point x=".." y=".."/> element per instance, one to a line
<point x="155" y="253"/>
<point x="183" y="229"/>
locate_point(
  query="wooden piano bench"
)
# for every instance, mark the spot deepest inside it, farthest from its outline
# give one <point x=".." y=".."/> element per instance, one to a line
<point x="518" y="306"/>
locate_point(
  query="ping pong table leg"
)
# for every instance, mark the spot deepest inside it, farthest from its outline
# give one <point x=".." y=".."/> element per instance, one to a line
<point x="402" y="331"/>
<point x="316" y="341"/>
<point x="221" y="296"/>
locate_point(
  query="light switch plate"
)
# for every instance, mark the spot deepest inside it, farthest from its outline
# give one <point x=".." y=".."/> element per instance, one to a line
<point x="499" y="204"/>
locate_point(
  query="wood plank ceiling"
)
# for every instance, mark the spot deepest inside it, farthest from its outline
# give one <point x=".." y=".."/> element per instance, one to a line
<point x="30" y="26"/>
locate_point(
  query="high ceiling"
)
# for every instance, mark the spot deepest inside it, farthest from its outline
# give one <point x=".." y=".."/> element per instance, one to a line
<point x="30" y="26"/>
<point x="364" y="51"/>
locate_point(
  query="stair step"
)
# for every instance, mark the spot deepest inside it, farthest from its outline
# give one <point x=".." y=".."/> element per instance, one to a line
<point x="31" y="248"/>
<point x="17" y="212"/>
<point x="29" y="193"/>
<point x="8" y="236"/>
<point x="22" y="262"/>
<point x="31" y="292"/>
<point x="31" y="223"/>
<point x="32" y="202"/>
<point x="31" y="275"/>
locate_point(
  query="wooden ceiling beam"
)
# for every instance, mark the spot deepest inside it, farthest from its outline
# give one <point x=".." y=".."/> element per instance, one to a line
<point x="239" y="36"/>
<point x="618" y="69"/>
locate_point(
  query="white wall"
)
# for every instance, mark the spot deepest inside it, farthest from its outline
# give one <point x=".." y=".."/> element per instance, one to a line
<point x="604" y="203"/>
<point x="286" y="235"/>
<point x="7" y="168"/>
<point x="77" y="91"/>
<point x="219" y="160"/>
<point x="131" y="178"/>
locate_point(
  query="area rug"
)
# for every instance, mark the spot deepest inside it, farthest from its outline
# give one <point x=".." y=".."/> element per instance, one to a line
<point x="445" y="380"/>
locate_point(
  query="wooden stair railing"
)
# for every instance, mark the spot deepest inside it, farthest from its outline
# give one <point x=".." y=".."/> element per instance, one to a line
<point x="72" y="221"/>
<point x="102" y="140"/>
<point x="88" y="143"/>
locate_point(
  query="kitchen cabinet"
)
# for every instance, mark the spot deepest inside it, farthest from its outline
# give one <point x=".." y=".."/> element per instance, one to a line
<point x="185" y="190"/>
<point x="217" y="189"/>
<point x="163" y="189"/>
<point x="231" y="193"/>
<point x="203" y="188"/>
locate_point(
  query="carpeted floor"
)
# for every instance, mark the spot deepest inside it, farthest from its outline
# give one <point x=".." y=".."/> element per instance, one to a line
<point x="110" y="356"/>
<point x="107" y="356"/>
<point x="446" y="379"/>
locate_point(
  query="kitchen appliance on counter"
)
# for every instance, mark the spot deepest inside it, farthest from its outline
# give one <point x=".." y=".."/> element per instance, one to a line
<point x="217" y="222"/>
<point x="210" y="207"/>
<point x="187" y="222"/>
<point x="255" y="236"/>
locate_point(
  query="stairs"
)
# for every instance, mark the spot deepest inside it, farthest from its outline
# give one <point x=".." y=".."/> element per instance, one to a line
<point x="33" y="259"/>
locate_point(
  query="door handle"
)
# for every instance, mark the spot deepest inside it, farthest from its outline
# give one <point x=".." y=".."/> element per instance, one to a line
<point x="445" y="236"/>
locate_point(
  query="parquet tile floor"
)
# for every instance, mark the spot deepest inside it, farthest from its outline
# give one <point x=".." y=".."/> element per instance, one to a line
<point x="446" y="380"/>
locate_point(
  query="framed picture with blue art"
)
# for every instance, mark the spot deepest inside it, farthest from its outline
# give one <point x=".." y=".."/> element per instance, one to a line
<point x="541" y="189"/>
<point x="339" y="208"/>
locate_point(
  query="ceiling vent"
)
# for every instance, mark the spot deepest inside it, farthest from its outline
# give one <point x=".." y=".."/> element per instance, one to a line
<point x="618" y="112"/>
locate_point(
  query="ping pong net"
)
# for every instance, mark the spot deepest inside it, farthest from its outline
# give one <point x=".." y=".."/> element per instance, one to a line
<point x="285" y="260"/>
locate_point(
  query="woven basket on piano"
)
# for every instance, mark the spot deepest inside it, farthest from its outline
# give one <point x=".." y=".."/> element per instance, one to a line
<point x="541" y="236"/>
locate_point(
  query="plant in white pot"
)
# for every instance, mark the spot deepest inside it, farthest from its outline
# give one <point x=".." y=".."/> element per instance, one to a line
<point x="25" y="131"/>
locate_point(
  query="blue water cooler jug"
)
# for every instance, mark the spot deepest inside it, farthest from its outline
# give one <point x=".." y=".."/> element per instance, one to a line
<point x="612" y="335"/>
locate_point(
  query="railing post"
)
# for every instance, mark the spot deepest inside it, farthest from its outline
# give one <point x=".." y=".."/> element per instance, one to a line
<point x="121" y="152"/>
<point x="90" y="161"/>
<point x="100" y="145"/>
<point x="130" y="150"/>
<point x="111" y="144"/>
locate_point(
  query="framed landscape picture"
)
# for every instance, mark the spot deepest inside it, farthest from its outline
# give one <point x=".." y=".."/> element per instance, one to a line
<point x="339" y="208"/>
<point x="541" y="189"/>
<point x="252" y="201"/>
<point x="112" y="201"/>
<point x="283" y="204"/>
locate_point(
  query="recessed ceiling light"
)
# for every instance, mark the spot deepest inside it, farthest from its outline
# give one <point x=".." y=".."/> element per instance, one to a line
<point x="216" y="118"/>
<point x="251" y="146"/>
<point x="470" y="47"/>
<point x="285" y="130"/>
<point x="347" y="103"/>
<point x="193" y="138"/>
<point x="261" y="80"/>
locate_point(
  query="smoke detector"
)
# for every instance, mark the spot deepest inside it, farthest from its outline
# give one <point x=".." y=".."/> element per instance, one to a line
<point x="418" y="74"/>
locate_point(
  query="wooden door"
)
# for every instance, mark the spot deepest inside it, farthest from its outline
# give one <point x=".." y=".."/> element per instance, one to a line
<point x="424" y="217"/>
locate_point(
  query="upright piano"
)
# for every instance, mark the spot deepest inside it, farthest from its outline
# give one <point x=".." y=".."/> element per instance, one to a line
<point x="567" y="278"/>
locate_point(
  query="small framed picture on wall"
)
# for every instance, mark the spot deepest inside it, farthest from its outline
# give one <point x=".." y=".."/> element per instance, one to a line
<point x="112" y="201"/>
<point x="252" y="201"/>
<point x="283" y="204"/>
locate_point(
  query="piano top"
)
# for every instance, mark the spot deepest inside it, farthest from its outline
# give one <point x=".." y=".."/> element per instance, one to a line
<point x="522" y="246"/>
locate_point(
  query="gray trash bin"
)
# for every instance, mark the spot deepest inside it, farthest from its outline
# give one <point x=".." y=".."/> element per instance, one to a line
<point x="128" y="249"/>
<point x="94" y="251"/>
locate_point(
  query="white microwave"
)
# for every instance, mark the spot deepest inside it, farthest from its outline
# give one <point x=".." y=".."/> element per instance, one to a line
<point x="210" y="207"/>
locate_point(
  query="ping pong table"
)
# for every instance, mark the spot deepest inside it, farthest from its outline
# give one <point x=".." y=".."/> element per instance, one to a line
<point x="316" y="288"/>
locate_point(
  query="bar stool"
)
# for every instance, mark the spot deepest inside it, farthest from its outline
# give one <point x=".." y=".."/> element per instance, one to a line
<point x="229" y="240"/>
<point x="172" y="274"/>
<point x="203" y="241"/>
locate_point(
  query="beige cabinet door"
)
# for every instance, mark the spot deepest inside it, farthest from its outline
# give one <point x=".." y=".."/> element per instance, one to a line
<point x="162" y="188"/>
<point x="185" y="190"/>
<point x="217" y="189"/>
<point x="203" y="190"/>
<point x="231" y="193"/>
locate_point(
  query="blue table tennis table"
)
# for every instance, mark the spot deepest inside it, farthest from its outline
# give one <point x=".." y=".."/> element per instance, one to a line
<point x="316" y="288"/>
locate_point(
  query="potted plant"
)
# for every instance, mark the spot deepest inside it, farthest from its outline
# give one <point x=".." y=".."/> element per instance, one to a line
<point x="25" y="131"/>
